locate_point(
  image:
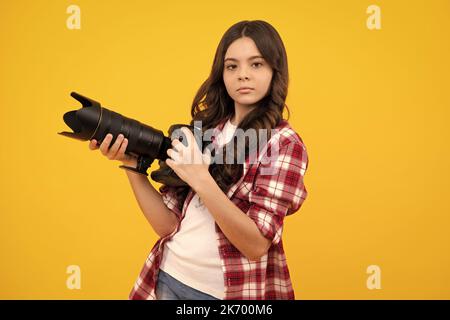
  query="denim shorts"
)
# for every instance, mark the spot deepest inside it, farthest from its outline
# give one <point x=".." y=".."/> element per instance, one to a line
<point x="169" y="288"/>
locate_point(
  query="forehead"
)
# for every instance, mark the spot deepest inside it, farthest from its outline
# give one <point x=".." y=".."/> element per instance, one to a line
<point x="242" y="49"/>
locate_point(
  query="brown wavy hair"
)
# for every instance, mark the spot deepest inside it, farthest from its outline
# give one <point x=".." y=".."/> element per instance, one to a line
<point x="212" y="104"/>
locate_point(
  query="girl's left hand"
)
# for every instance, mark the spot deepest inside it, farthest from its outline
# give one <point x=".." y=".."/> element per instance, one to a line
<point x="188" y="162"/>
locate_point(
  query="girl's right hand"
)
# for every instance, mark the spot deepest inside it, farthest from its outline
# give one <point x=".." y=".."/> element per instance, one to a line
<point x="117" y="150"/>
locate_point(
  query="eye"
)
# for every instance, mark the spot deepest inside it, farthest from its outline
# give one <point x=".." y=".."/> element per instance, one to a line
<point x="230" y="65"/>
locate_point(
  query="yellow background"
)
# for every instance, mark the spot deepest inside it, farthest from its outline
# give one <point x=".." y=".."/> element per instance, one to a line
<point x="372" y="107"/>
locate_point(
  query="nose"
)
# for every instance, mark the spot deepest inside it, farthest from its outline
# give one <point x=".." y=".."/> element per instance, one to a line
<point x="243" y="74"/>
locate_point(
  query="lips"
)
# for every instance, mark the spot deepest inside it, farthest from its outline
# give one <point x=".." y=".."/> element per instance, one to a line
<point x="245" y="89"/>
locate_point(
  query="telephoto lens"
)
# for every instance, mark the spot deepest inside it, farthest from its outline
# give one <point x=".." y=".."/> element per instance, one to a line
<point x="93" y="121"/>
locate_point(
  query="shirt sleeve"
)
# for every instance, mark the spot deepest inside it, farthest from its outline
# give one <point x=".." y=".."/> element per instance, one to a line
<point x="278" y="189"/>
<point x="170" y="200"/>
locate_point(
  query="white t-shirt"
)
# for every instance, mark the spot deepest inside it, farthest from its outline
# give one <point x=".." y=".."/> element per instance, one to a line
<point x="192" y="255"/>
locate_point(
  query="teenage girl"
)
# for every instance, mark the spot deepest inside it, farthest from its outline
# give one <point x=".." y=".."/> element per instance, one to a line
<point x="220" y="236"/>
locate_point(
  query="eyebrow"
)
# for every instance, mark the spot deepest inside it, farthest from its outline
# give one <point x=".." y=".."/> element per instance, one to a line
<point x="251" y="58"/>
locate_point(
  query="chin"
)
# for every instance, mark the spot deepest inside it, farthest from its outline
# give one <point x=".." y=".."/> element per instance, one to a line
<point x="247" y="101"/>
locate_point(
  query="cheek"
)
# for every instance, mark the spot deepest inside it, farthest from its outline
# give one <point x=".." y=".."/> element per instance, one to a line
<point x="226" y="81"/>
<point x="264" y="81"/>
<point x="230" y="87"/>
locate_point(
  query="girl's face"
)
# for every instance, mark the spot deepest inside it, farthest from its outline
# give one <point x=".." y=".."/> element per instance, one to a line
<point x="245" y="67"/>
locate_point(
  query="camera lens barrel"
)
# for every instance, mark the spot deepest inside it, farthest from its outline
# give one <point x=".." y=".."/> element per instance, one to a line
<point x="93" y="121"/>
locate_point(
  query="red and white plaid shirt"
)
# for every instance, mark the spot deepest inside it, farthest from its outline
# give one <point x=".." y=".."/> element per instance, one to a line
<point x="266" y="199"/>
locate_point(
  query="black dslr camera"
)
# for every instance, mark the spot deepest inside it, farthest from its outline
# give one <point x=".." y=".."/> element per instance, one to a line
<point x="93" y="121"/>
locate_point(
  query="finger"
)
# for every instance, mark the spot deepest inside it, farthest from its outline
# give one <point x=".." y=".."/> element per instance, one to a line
<point x="192" y="139"/>
<point x="105" y="144"/>
<point x="173" y="155"/>
<point x="169" y="162"/>
<point x="93" y="144"/>
<point x="113" y="150"/>
<point x="123" y="147"/>
<point x="188" y="134"/>
<point x="177" y="145"/>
